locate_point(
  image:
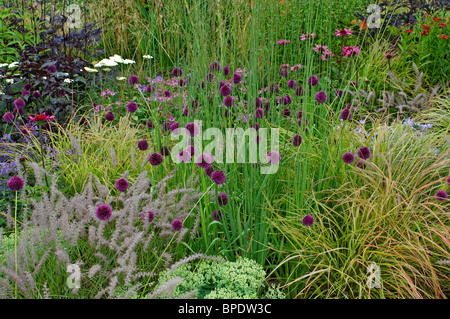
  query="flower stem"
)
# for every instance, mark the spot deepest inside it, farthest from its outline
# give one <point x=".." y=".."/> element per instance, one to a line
<point x="15" y="242"/>
<point x="42" y="153"/>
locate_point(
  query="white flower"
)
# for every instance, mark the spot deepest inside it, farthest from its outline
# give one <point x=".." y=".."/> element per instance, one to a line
<point x="9" y="81"/>
<point x="116" y="58"/>
<point x="105" y="62"/>
<point x="13" y="65"/>
<point x="90" y="70"/>
<point x="68" y="81"/>
<point x="44" y="77"/>
<point x="147" y="57"/>
<point x="3" y="65"/>
<point x="65" y="74"/>
<point x="121" y="78"/>
<point x="126" y="61"/>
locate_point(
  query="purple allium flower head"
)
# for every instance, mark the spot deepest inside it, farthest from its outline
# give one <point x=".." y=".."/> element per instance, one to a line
<point x="273" y="88"/>
<point x="226" y="70"/>
<point x="15" y="183"/>
<point x="222" y="199"/>
<point x="296" y="140"/>
<point x="18" y="110"/>
<point x="448" y="181"/>
<point x="338" y="93"/>
<point x="291" y="84"/>
<point x="225" y="90"/>
<point x="346" y="114"/>
<point x="184" y="156"/>
<point x="185" y="111"/>
<point x="286" y="112"/>
<point x="25" y="92"/>
<point x="8" y="117"/>
<point x="121" y="184"/>
<point x="190" y="149"/>
<point x="321" y="97"/>
<point x="165" y="151"/>
<point x="165" y="126"/>
<point x="348" y="157"/>
<point x="150" y="125"/>
<point x="284" y="73"/>
<point x="110" y="116"/>
<point x="155" y="159"/>
<point x="299" y="91"/>
<point x="441" y="195"/>
<point x="173" y="126"/>
<point x="132" y="107"/>
<point x="27" y="87"/>
<point x="258" y="102"/>
<point x="148" y="216"/>
<point x="313" y="80"/>
<point x="214" y="66"/>
<point x="191" y="129"/>
<point x="103" y="212"/>
<point x="181" y="82"/>
<point x="208" y="170"/>
<point x="255" y="126"/>
<point x="348" y="106"/>
<point x="259" y="113"/>
<point x="19" y="103"/>
<point x="308" y="220"/>
<point x="52" y="69"/>
<point x="218" y="177"/>
<point x="177" y="72"/>
<point x="299" y="114"/>
<point x="287" y="99"/>
<point x="222" y="83"/>
<point x="237" y="78"/>
<point x="274" y="157"/>
<point x="194" y="104"/>
<point x="361" y="165"/>
<point x="364" y="152"/>
<point x="143" y="145"/>
<point x="133" y="79"/>
<point x="217" y="215"/>
<point x="36" y="94"/>
<point x="204" y="160"/>
<point x="210" y="77"/>
<point x="148" y="88"/>
<point x="177" y="224"/>
<point x="167" y="93"/>
<point x="228" y="101"/>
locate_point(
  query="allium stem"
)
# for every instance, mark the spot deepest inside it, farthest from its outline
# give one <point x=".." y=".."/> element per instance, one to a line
<point x="15" y="242"/>
<point x="42" y="153"/>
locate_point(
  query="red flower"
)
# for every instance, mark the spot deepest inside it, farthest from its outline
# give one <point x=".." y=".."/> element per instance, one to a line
<point x="425" y="32"/>
<point x="444" y="36"/>
<point x="442" y="25"/>
<point x="426" y="27"/>
<point x="409" y="31"/>
<point x="436" y="19"/>
<point x="40" y="117"/>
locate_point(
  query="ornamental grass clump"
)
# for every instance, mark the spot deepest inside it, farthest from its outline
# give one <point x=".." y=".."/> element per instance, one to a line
<point x="115" y="241"/>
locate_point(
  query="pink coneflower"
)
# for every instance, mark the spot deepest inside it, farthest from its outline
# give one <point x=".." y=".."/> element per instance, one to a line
<point x="15" y="183"/>
<point x="308" y="220"/>
<point x="218" y="177"/>
<point x="296" y="67"/>
<point x="274" y="157"/>
<point x="177" y="224"/>
<point x="350" y="51"/>
<point x="121" y="184"/>
<point x="343" y="32"/>
<point x="40" y="117"/>
<point x="441" y="195"/>
<point x="304" y="37"/>
<point x="155" y="159"/>
<point x="148" y="216"/>
<point x="103" y="212"/>
<point x="283" y="42"/>
<point x="143" y="145"/>
<point x="348" y="157"/>
<point x="388" y="56"/>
